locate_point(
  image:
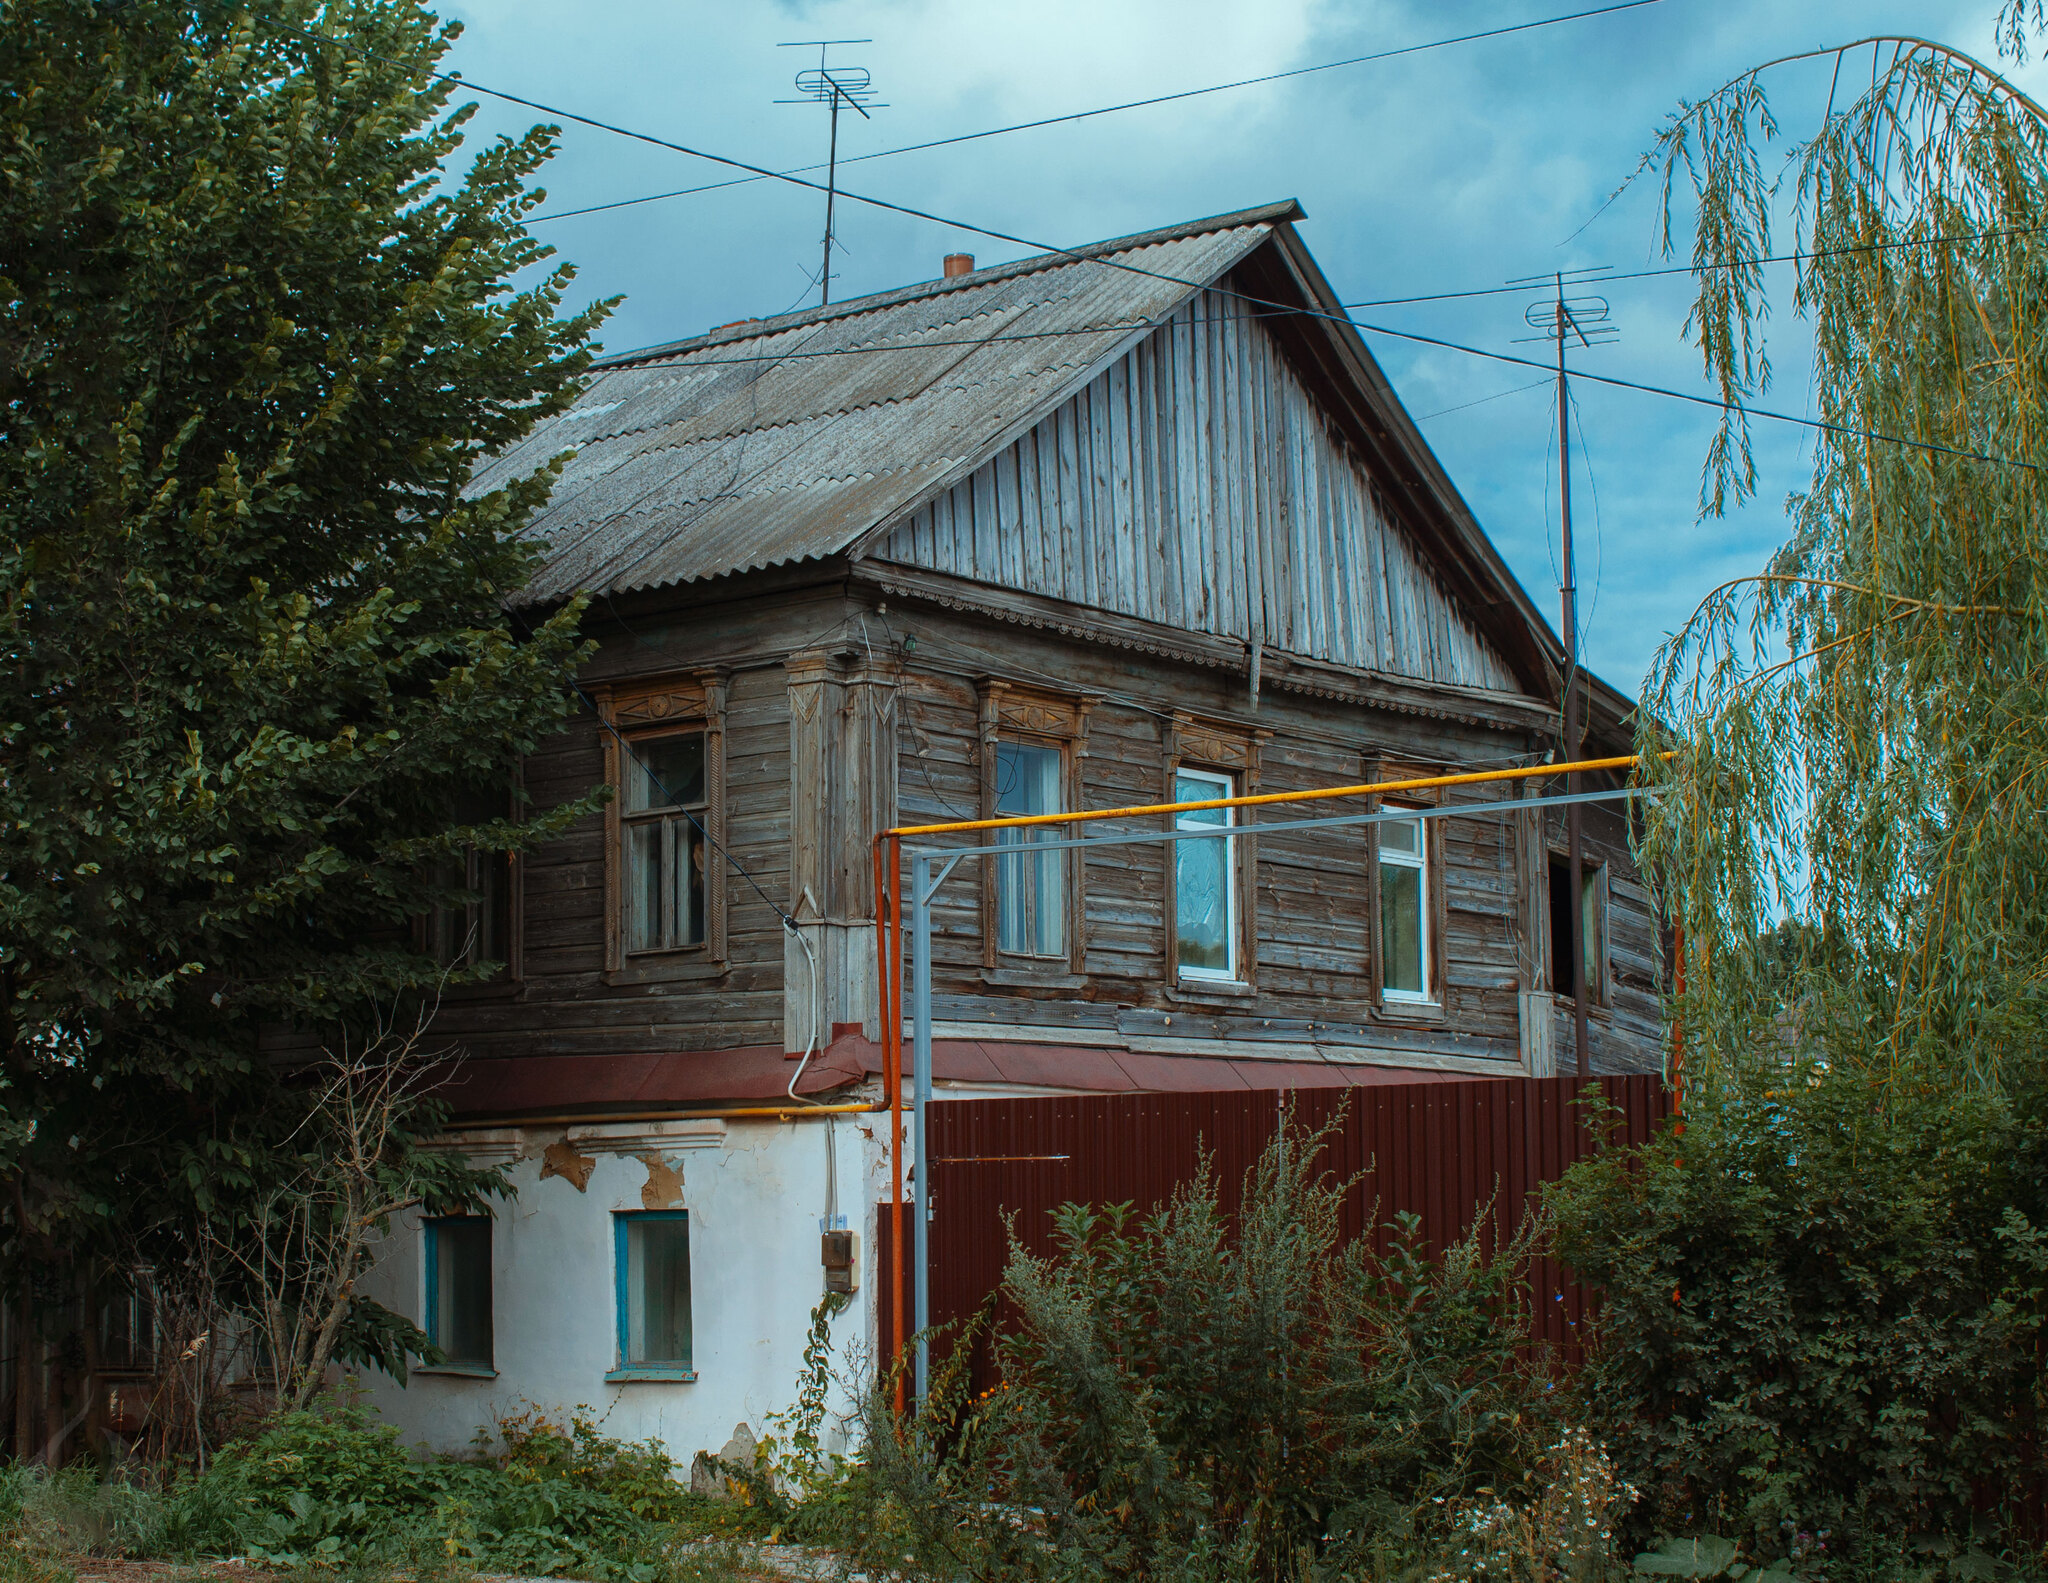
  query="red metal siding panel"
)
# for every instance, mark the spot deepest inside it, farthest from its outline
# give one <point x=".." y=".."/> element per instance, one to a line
<point x="1438" y="1150"/>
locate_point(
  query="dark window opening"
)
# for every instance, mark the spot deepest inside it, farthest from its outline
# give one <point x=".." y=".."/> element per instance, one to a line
<point x="478" y="927"/>
<point x="1590" y="923"/>
<point x="1561" y="926"/>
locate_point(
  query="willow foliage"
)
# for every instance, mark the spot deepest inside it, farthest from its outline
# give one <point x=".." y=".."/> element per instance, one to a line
<point x="1853" y="827"/>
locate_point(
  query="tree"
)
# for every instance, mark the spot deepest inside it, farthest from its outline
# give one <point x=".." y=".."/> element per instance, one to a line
<point x="1861" y="729"/>
<point x="255" y="334"/>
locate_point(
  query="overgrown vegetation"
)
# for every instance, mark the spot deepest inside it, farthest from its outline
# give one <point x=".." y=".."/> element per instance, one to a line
<point x="331" y="1489"/>
<point x="1194" y="1394"/>
<point x="1822" y="1320"/>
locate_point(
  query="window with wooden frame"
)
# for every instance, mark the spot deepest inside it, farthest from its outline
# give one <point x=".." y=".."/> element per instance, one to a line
<point x="1406" y="895"/>
<point x="651" y="1269"/>
<point x="664" y="827"/>
<point x="1592" y="922"/>
<point x="1211" y="909"/>
<point x="1032" y="745"/>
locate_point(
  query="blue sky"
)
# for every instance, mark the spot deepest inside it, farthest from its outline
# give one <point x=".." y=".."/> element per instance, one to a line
<point x="1451" y="169"/>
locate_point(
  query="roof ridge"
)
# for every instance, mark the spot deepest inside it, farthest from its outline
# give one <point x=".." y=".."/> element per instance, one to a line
<point x="1281" y="210"/>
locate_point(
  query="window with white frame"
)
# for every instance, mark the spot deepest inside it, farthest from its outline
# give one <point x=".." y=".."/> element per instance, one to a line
<point x="1205" y="902"/>
<point x="1405" y="912"/>
<point x="664" y="809"/>
<point x="1031" y="884"/>
<point x="458" y="1306"/>
<point x="651" y="1249"/>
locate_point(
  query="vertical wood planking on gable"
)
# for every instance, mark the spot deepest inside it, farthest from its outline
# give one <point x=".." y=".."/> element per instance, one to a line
<point x="1196" y="483"/>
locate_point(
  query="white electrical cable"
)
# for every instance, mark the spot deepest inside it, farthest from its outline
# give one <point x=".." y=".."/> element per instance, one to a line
<point x="810" y="1044"/>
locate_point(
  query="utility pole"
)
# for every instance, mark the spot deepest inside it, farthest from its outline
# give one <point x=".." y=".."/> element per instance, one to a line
<point x="1560" y="320"/>
<point x="1574" y="731"/>
<point x="832" y="86"/>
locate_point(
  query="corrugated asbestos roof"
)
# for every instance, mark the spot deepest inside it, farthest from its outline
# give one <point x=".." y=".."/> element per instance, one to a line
<point x="758" y="446"/>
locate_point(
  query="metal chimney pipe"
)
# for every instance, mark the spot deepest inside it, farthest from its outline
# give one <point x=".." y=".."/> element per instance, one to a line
<point x="959" y="264"/>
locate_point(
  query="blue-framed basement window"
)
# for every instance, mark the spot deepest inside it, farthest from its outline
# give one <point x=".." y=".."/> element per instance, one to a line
<point x="651" y="1253"/>
<point x="458" y="1316"/>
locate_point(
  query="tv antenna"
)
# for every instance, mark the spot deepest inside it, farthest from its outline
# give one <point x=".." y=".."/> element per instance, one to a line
<point x="1567" y="320"/>
<point x="832" y="85"/>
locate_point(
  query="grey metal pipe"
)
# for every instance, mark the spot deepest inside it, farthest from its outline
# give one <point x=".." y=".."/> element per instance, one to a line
<point x="921" y="888"/>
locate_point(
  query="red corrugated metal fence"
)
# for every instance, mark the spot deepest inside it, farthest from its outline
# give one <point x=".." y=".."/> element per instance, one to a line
<point x="1437" y="1150"/>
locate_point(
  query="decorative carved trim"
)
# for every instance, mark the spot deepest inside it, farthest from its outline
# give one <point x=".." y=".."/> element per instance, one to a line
<point x="1206" y="748"/>
<point x="1034" y="711"/>
<point x="656" y="708"/>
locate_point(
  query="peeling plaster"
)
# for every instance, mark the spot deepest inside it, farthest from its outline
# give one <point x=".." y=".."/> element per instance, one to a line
<point x="561" y="1159"/>
<point x="664" y="1189"/>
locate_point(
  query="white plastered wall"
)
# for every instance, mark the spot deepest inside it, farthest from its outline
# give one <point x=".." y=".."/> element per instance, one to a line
<point x="755" y="1190"/>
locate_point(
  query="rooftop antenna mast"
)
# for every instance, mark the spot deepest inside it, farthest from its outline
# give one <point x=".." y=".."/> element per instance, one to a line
<point x="834" y="86"/>
<point x="1564" y="320"/>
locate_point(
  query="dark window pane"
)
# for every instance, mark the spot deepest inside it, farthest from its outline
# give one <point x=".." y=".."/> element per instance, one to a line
<point x="664" y="772"/>
<point x="460" y="1322"/>
<point x="1401" y="929"/>
<point x="657" y="1292"/>
<point x="691" y="856"/>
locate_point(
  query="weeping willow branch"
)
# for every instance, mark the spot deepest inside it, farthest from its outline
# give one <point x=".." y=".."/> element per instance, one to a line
<point x="1851" y="827"/>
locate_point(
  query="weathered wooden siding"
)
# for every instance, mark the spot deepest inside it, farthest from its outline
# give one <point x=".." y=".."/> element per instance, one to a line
<point x="1313" y="974"/>
<point x="563" y="1004"/>
<point x="1197" y="484"/>
<point x="841" y="718"/>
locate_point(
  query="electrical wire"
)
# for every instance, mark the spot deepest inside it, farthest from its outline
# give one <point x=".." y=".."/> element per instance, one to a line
<point x="1107" y="109"/>
<point x="1663" y="271"/>
<point x="1402" y="335"/>
<point x="1707" y="401"/>
<point x="1599" y="539"/>
<point x="1086" y="255"/>
<point x="1444" y="412"/>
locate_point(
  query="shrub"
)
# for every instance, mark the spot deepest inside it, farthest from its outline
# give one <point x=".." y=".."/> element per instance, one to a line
<point x="1822" y="1315"/>
<point x="1194" y="1394"/>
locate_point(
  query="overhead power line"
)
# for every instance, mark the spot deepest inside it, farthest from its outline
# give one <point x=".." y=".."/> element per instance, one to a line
<point x="1739" y="263"/>
<point x="1706" y="401"/>
<point x="1113" y="109"/>
<point x="1283" y="311"/>
<point x="1087" y="254"/>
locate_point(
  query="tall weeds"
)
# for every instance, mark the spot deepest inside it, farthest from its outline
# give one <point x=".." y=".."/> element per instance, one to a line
<point x="1196" y="1394"/>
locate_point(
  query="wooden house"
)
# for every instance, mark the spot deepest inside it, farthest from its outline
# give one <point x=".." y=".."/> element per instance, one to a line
<point x="1137" y="523"/>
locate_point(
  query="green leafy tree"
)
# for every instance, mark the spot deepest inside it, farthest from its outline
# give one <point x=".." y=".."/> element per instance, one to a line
<point x="255" y="334"/>
<point x="1861" y="728"/>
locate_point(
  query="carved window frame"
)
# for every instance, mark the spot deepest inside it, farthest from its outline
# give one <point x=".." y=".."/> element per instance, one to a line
<point x="1437" y="950"/>
<point x="1219" y="748"/>
<point x="646" y="709"/>
<point x="1037" y="717"/>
